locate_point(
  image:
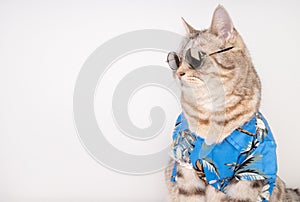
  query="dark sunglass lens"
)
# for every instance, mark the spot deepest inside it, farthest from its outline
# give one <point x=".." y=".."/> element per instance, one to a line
<point x="194" y="58"/>
<point x="173" y="60"/>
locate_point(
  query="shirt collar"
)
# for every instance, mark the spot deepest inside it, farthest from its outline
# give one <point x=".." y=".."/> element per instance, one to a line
<point x="237" y="138"/>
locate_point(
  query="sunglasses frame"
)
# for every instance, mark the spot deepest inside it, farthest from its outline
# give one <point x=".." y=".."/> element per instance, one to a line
<point x="202" y="55"/>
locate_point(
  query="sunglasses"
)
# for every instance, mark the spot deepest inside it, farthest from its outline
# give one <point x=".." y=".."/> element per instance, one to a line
<point x="193" y="57"/>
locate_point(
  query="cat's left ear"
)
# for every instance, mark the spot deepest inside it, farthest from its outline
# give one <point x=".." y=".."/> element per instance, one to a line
<point x="188" y="28"/>
<point x="221" y="24"/>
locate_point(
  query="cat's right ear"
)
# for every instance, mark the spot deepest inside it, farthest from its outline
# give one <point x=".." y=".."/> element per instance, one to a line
<point x="221" y="24"/>
<point x="188" y="28"/>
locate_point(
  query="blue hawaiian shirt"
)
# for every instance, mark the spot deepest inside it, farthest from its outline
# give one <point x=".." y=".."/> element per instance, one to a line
<point x="248" y="153"/>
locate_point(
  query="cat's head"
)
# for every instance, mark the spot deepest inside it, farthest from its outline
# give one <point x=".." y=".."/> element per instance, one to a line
<point x="214" y="58"/>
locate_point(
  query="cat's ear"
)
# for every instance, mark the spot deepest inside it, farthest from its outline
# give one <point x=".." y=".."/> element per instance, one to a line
<point x="221" y="24"/>
<point x="188" y="28"/>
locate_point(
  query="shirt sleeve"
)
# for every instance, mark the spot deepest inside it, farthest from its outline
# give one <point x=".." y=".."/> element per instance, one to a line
<point x="259" y="163"/>
<point x="266" y="165"/>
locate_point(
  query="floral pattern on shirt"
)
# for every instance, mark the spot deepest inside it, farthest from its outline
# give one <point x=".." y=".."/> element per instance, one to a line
<point x="248" y="153"/>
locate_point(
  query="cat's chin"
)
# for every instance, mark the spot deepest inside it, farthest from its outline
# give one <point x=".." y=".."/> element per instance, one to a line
<point x="191" y="82"/>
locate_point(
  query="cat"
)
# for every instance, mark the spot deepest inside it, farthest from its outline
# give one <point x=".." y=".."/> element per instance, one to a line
<point x="220" y="97"/>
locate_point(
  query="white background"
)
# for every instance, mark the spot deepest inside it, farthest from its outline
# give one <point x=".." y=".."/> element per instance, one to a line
<point x="43" y="45"/>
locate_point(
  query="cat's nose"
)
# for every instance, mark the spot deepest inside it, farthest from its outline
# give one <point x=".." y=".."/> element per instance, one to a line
<point x="180" y="74"/>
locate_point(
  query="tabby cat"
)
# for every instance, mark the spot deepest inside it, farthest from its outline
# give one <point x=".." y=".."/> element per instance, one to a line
<point x="220" y="99"/>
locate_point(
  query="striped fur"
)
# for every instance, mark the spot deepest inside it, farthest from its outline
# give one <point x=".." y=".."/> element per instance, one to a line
<point x="216" y="99"/>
